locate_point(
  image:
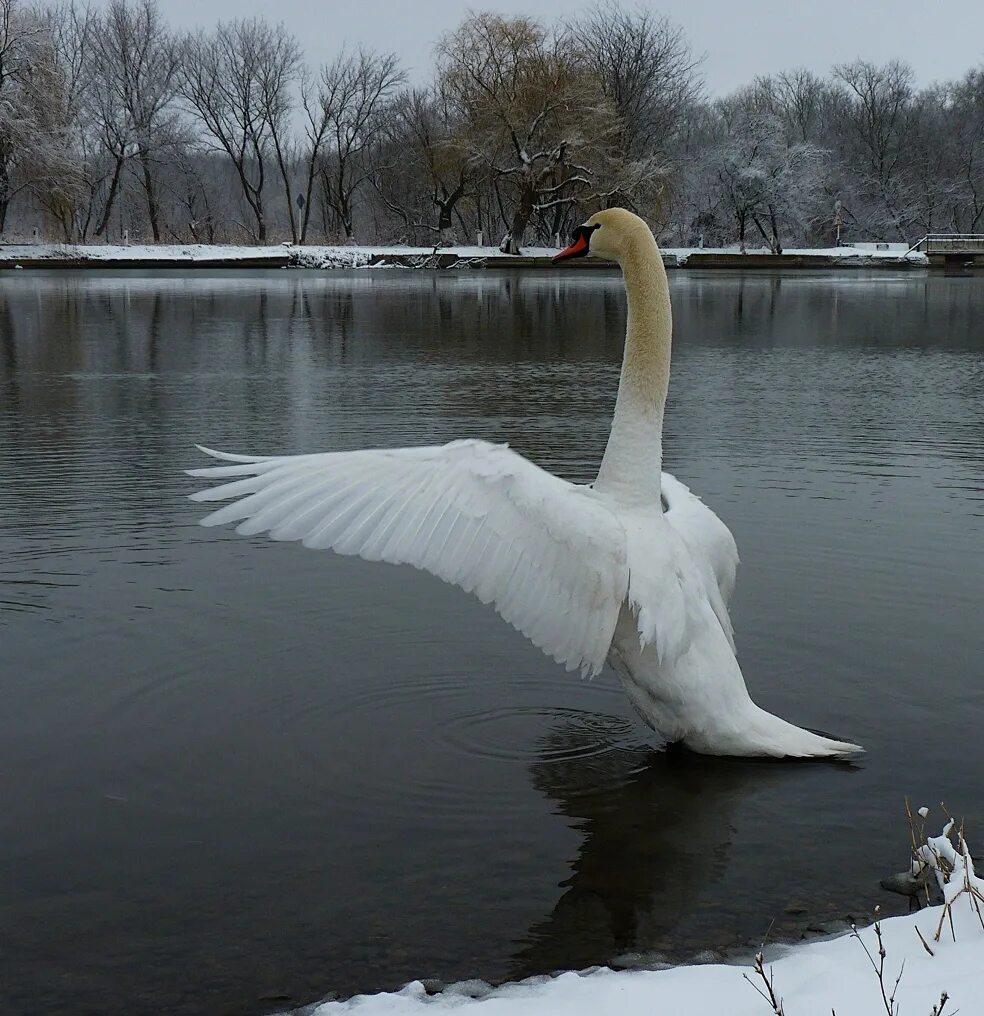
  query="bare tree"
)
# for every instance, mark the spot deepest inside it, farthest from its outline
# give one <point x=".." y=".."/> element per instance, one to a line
<point x="138" y="60"/>
<point x="192" y="185"/>
<point x="276" y="79"/>
<point x="109" y="135"/>
<point x="427" y="172"/>
<point x="880" y="100"/>
<point x="527" y="112"/>
<point x="878" y="109"/>
<point x="316" y="122"/>
<point x="232" y="79"/>
<point x="932" y="143"/>
<point x="351" y="111"/>
<point x="646" y="69"/>
<point x="803" y="100"/>
<point x="965" y="130"/>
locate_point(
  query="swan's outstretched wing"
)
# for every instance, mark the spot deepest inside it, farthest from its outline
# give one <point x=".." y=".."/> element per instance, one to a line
<point x="548" y="554"/>
<point x="710" y="543"/>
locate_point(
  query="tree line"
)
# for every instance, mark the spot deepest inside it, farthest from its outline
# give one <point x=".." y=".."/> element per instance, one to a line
<point x="112" y="122"/>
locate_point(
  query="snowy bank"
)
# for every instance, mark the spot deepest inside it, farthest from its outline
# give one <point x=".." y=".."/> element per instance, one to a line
<point x="843" y="256"/>
<point x="283" y="255"/>
<point x="184" y="255"/>
<point x="463" y="257"/>
<point x="839" y="975"/>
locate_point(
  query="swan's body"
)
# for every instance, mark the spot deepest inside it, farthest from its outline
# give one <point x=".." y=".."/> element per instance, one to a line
<point x="587" y="573"/>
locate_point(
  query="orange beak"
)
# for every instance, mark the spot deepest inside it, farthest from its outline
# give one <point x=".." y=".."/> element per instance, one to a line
<point x="576" y="250"/>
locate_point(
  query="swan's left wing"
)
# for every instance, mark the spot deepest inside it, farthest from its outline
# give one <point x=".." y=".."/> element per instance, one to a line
<point x="550" y="555"/>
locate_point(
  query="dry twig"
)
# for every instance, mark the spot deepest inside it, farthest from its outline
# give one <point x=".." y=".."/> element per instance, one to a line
<point x="769" y="994"/>
<point x="891" y="1008"/>
<point x="917" y="837"/>
<point x="925" y="946"/>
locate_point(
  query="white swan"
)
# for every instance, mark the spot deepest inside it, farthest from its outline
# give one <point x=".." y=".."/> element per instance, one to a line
<point x="587" y="573"/>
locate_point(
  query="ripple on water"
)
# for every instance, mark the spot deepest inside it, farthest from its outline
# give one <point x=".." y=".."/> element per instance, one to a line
<point x="450" y="754"/>
<point x="501" y="734"/>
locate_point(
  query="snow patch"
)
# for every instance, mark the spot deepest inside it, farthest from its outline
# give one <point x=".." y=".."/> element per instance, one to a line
<point x="326" y="256"/>
<point x="321" y="257"/>
<point x="837" y="253"/>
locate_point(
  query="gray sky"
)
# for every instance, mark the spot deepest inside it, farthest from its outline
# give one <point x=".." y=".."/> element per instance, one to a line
<point x="740" y="38"/>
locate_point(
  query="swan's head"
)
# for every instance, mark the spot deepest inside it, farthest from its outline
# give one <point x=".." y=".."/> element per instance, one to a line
<point x="612" y="234"/>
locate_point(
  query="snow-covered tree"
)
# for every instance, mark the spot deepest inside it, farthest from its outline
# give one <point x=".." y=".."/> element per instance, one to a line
<point x="765" y="181"/>
<point x="35" y="109"/>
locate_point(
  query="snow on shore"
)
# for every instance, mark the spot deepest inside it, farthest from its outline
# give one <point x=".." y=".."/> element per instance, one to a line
<point x="839" y="253"/>
<point x="839" y="974"/>
<point x="362" y="256"/>
<point x="182" y="254"/>
<point x="313" y="256"/>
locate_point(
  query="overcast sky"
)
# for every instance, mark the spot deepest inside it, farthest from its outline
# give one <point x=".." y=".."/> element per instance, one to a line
<point x="739" y="38"/>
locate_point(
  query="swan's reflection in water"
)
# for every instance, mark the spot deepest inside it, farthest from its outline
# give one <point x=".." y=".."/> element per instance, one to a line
<point x="657" y="831"/>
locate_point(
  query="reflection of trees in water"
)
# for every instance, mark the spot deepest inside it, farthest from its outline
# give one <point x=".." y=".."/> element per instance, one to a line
<point x="657" y="830"/>
<point x="517" y="346"/>
<point x="763" y="299"/>
<point x="801" y="364"/>
<point x="8" y="343"/>
<point x="488" y="317"/>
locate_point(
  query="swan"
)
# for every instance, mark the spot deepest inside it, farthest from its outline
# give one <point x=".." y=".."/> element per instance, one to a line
<point x="632" y="569"/>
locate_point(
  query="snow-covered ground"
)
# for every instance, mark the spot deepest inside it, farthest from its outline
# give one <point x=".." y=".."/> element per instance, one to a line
<point x="307" y="256"/>
<point x="837" y="975"/>
<point x="180" y="254"/>
<point x="357" y="256"/>
<point x="841" y="253"/>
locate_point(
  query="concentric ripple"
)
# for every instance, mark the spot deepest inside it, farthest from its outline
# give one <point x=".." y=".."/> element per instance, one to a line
<point x="503" y="734"/>
<point x="455" y="743"/>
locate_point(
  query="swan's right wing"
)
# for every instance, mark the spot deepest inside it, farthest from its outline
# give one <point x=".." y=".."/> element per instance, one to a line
<point x="702" y="530"/>
<point x="710" y="543"/>
<point x="550" y="555"/>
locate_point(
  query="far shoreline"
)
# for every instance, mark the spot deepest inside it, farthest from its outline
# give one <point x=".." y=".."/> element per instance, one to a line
<point x="460" y="258"/>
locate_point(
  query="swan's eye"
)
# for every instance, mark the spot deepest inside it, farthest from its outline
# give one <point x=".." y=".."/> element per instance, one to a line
<point x="584" y="233"/>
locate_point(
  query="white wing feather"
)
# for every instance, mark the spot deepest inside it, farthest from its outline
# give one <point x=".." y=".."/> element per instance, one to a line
<point x="711" y="545"/>
<point x="550" y="555"/>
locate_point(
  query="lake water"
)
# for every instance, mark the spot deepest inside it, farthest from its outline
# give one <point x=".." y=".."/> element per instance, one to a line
<point x="238" y="776"/>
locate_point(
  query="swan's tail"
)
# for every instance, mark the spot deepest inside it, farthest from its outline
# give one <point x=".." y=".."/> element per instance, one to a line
<point x="764" y="735"/>
<point x="778" y="739"/>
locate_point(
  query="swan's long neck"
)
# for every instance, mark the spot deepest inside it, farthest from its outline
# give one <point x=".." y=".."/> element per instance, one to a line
<point x="634" y="455"/>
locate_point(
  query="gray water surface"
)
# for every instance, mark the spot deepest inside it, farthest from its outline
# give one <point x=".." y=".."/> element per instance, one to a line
<point x="239" y="775"/>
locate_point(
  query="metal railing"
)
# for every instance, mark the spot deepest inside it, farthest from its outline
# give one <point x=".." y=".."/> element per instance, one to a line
<point x="950" y="243"/>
